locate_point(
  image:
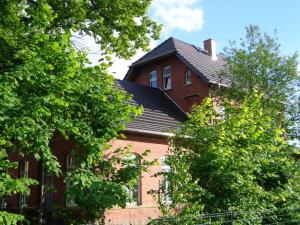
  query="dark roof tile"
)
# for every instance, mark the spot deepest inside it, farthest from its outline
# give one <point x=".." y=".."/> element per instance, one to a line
<point x="160" y="113"/>
<point x="193" y="56"/>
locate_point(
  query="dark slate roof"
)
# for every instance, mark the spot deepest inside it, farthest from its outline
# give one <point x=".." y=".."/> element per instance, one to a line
<point x="160" y="114"/>
<point x="193" y="56"/>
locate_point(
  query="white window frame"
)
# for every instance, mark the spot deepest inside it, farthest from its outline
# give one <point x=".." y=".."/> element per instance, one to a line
<point x="130" y="190"/>
<point x="70" y="165"/>
<point x="188" y="77"/>
<point x="167" y="81"/>
<point x="165" y="183"/>
<point x="153" y="79"/>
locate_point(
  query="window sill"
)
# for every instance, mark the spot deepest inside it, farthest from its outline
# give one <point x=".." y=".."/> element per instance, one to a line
<point x="133" y="205"/>
<point x="168" y="89"/>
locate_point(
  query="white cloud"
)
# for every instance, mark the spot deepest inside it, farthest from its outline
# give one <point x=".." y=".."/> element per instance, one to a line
<point x="185" y="15"/>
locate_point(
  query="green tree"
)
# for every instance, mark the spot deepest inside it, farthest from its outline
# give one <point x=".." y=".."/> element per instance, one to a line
<point x="46" y="88"/>
<point x="256" y="63"/>
<point x="9" y="186"/>
<point x="237" y="159"/>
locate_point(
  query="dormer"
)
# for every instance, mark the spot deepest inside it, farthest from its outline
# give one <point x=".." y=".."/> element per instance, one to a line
<point x="183" y="71"/>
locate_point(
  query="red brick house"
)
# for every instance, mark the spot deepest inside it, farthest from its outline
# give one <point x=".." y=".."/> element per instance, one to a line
<point x="167" y="81"/>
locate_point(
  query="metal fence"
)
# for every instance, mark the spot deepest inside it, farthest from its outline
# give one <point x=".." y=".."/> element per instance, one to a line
<point x="284" y="217"/>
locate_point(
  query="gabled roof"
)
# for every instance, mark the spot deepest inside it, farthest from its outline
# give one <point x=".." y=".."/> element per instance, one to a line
<point x="161" y="114"/>
<point x="191" y="55"/>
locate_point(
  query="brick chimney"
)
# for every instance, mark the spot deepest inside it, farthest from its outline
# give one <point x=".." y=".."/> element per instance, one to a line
<point x="211" y="48"/>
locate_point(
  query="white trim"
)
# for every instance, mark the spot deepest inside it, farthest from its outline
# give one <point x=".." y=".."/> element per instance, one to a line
<point x="157" y="133"/>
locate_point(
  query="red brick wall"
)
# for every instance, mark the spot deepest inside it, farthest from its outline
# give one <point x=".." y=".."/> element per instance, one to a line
<point x="138" y="214"/>
<point x="34" y="173"/>
<point x="184" y="95"/>
<point x="148" y="208"/>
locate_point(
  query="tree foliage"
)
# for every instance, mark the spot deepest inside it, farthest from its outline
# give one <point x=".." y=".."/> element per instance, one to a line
<point x="45" y="87"/>
<point x="256" y="63"/>
<point x="237" y="160"/>
<point x="96" y="192"/>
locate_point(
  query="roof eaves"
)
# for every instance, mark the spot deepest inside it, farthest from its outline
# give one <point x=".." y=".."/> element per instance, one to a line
<point x="153" y="58"/>
<point x="148" y="132"/>
<point x="140" y="63"/>
<point x="128" y="73"/>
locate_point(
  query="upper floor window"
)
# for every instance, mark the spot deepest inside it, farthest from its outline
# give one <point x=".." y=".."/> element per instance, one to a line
<point x="167" y="78"/>
<point x="188" y="77"/>
<point x="153" y="79"/>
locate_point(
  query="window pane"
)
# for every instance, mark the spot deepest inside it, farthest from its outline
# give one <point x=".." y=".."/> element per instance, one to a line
<point x="133" y="191"/>
<point x="165" y="183"/>
<point x="167" y="71"/>
<point x="167" y="77"/>
<point x="188" y="77"/>
<point x="71" y="164"/>
<point x="153" y="79"/>
<point x="167" y="83"/>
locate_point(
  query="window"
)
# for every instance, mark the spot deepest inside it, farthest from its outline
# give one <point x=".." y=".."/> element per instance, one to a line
<point x="71" y="164"/>
<point x="23" y="172"/>
<point x="153" y="79"/>
<point x="188" y="77"/>
<point x="134" y="191"/>
<point x="167" y="77"/>
<point x="165" y="183"/>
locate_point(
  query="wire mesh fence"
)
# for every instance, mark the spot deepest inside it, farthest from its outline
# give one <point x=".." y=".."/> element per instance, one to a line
<point x="288" y="217"/>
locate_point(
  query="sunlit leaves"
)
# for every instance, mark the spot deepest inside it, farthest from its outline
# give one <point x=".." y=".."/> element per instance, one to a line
<point x="46" y="89"/>
<point x="240" y="162"/>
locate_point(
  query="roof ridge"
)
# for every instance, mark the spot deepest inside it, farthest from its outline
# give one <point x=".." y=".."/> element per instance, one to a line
<point x="197" y="48"/>
<point x="153" y="49"/>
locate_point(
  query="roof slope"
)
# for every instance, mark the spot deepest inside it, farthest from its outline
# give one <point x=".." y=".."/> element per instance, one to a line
<point x="160" y="113"/>
<point x="193" y="56"/>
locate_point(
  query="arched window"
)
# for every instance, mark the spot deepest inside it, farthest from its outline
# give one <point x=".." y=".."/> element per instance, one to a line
<point x="134" y="191"/>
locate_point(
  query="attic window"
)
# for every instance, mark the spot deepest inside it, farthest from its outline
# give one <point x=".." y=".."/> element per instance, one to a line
<point x="188" y="77"/>
<point x="167" y="77"/>
<point x="153" y="79"/>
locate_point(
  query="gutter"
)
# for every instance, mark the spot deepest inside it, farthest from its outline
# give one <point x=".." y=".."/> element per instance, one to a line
<point x="147" y="132"/>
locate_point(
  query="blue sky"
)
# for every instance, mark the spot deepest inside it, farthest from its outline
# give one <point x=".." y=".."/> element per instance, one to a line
<point x="196" y="20"/>
<point x="226" y="19"/>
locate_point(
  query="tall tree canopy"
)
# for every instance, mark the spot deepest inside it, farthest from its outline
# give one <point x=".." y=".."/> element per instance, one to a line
<point x="235" y="160"/>
<point x="256" y="63"/>
<point x="45" y="86"/>
<point x="233" y="154"/>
